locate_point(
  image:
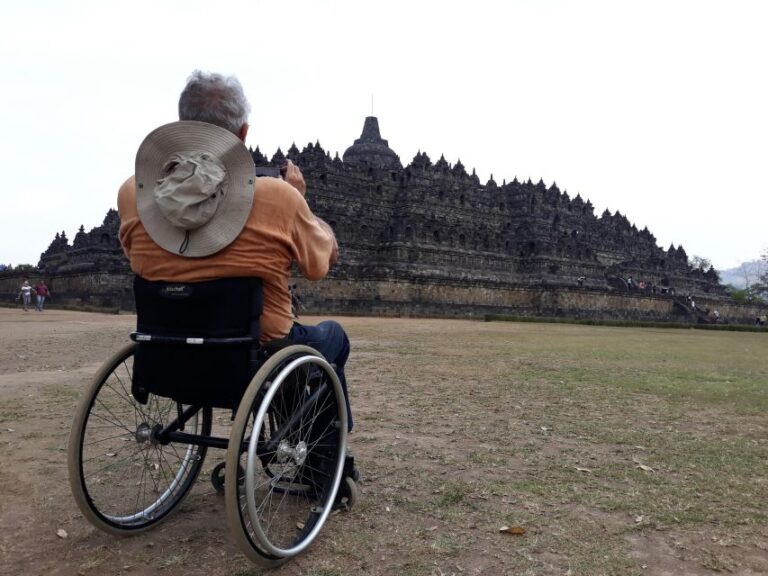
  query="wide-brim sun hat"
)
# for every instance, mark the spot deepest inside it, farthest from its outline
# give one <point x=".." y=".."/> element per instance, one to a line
<point x="194" y="187"/>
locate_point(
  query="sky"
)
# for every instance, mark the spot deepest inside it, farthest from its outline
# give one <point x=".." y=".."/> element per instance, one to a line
<point x="657" y="109"/>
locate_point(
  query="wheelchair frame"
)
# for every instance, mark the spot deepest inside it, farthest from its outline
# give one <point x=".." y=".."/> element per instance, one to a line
<point x="285" y="467"/>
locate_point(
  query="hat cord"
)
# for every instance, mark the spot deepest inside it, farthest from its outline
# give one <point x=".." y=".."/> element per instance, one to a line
<point x="185" y="243"/>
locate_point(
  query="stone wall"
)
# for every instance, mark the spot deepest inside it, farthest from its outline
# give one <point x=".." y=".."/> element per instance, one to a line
<point x="99" y="291"/>
<point x="421" y="297"/>
<point x="473" y="300"/>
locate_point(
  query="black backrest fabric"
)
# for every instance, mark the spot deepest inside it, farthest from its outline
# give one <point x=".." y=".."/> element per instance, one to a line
<point x="217" y="308"/>
<point x="196" y="374"/>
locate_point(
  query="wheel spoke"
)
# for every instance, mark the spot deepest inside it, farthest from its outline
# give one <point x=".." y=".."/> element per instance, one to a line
<point x="116" y="422"/>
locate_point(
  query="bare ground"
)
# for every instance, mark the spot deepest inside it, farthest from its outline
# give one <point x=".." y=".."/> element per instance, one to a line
<point x="461" y="428"/>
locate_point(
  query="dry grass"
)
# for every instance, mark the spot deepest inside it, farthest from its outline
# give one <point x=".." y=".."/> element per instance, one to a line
<point x="619" y="451"/>
<point x="588" y="437"/>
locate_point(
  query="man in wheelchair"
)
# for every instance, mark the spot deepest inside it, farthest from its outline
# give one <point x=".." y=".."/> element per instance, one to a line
<point x="197" y="226"/>
<point x="176" y="233"/>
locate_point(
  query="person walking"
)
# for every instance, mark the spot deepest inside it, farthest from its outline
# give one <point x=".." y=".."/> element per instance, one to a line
<point x="25" y="294"/>
<point x="42" y="293"/>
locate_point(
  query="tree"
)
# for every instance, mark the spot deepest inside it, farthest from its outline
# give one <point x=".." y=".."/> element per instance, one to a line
<point x="760" y="286"/>
<point x="740" y="296"/>
<point x="700" y="263"/>
<point x="751" y="272"/>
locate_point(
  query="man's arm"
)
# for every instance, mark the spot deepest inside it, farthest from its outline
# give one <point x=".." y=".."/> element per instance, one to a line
<point x="126" y="199"/>
<point x="335" y="250"/>
<point x="295" y="178"/>
<point x="314" y="244"/>
<point x="126" y="209"/>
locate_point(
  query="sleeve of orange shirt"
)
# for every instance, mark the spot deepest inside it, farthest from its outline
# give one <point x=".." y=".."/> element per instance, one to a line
<point x="313" y="243"/>
<point x="126" y="209"/>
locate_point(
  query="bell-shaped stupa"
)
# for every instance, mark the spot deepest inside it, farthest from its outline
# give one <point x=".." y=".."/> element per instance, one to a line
<point x="371" y="149"/>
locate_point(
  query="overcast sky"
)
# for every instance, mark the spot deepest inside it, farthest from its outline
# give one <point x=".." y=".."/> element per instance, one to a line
<point x="658" y="109"/>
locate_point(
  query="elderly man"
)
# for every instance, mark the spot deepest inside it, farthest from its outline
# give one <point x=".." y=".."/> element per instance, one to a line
<point x="168" y="236"/>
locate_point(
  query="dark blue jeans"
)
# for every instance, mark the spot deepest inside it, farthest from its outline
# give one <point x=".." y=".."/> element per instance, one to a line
<point x="331" y="341"/>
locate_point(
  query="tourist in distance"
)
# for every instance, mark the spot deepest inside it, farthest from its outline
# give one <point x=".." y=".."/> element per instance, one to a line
<point x="25" y="294"/>
<point x="272" y="227"/>
<point x="42" y="293"/>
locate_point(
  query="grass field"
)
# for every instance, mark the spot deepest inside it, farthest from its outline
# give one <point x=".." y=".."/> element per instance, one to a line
<point x="622" y="451"/>
<point x="614" y="448"/>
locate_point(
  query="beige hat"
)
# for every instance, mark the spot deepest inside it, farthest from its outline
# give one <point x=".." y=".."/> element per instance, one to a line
<point x="194" y="187"/>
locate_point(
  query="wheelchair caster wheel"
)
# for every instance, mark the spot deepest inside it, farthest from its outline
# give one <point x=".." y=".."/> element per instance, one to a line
<point x="349" y="495"/>
<point x="353" y="492"/>
<point x="218" y="478"/>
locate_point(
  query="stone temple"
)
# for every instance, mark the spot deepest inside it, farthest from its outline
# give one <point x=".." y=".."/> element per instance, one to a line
<point x="429" y="238"/>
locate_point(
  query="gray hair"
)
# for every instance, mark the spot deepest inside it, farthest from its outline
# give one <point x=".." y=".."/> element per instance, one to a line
<point x="216" y="99"/>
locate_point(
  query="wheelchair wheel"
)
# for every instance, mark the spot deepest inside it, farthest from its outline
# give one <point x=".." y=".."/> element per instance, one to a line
<point x="289" y="438"/>
<point x="123" y="479"/>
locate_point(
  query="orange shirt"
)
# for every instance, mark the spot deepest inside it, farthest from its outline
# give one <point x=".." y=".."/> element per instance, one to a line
<point x="281" y="229"/>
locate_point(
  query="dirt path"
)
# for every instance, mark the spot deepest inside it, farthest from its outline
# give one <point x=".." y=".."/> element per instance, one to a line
<point x="451" y="449"/>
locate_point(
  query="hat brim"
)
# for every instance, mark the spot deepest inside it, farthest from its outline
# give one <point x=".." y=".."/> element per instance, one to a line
<point x="235" y="207"/>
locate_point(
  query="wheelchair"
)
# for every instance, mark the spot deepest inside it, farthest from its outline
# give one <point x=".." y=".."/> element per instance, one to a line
<point x="144" y="424"/>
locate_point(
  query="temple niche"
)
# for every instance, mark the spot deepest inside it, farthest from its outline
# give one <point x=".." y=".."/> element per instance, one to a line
<point x="432" y="224"/>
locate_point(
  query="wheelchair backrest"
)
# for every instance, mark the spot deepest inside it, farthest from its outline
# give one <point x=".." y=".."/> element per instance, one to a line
<point x="217" y="308"/>
<point x="183" y="331"/>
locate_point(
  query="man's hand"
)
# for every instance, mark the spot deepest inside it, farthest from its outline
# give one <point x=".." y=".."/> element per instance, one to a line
<point x="295" y="178"/>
